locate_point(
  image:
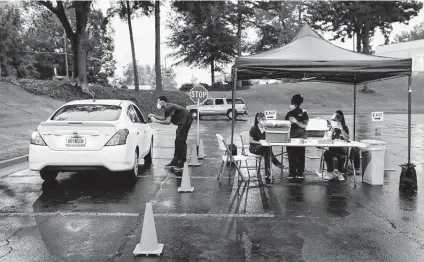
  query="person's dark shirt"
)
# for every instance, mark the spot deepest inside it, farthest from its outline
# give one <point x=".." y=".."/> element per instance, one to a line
<point x="256" y="134"/>
<point x="179" y="115"/>
<point x="301" y="116"/>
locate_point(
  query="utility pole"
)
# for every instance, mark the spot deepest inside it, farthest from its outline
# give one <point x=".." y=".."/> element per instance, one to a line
<point x="66" y="55"/>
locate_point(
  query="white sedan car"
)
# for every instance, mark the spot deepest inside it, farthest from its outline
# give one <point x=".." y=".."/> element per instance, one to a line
<point x="92" y="135"/>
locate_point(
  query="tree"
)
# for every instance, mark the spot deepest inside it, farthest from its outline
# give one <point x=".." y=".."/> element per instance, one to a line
<point x="14" y="58"/>
<point x="147" y="76"/>
<point x="158" y="81"/>
<point x="361" y="18"/>
<point x="125" y="10"/>
<point x="417" y="33"/>
<point x="202" y="35"/>
<point x="77" y="37"/>
<point x="276" y="23"/>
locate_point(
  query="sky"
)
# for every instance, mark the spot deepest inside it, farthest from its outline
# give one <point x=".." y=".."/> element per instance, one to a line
<point x="144" y="39"/>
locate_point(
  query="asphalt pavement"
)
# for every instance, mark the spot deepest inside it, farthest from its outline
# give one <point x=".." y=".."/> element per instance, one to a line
<point x="99" y="216"/>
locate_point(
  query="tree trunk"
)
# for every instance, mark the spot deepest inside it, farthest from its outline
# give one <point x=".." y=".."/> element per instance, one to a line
<point x="212" y="71"/>
<point x="132" y="47"/>
<point x="158" y="67"/>
<point x="239" y="31"/>
<point x="81" y="15"/>
<point x="358" y="39"/>
<point x="75" y="58"/>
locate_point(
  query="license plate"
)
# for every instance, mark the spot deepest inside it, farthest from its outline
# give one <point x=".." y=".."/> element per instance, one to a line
<point x="75" y="141"/>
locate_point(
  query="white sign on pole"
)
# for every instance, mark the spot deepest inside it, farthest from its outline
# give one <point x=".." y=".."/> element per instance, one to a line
<point x="377" y="116"/>
<point x="198" y="94"/>
<point x="271" y="114"/>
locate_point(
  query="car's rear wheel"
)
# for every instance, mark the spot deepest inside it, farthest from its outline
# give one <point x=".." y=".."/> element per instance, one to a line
<point x="230" y="114"/>
<point x="133" y="173"/>
<point x="149" y="157"/>
<point x="48" y="175"/>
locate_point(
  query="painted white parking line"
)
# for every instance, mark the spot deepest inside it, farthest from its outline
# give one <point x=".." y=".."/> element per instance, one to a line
<point x="98" y="214"/>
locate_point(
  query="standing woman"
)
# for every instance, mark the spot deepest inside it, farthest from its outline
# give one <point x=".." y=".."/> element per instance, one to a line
<point x="256" y="133"/>
<point x="299" y="119"/>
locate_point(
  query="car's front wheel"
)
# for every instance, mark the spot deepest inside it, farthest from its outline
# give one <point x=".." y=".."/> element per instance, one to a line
<point x="48" y="175"/>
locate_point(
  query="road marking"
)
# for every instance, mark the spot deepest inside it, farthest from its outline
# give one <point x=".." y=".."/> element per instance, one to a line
<point x="119" y="214"/>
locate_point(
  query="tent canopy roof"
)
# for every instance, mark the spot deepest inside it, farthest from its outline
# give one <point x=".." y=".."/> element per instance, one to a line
<point x="310" y="56"/>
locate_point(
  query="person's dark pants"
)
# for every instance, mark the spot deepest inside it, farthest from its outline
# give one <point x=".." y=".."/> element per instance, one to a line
<point x="340" y="154"/>
<point x="296" y="160"/>
<point x="264" y="151"/>
<point x="180" y="153"/>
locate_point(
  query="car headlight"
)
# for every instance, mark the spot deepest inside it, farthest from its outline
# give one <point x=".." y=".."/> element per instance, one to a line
<point x="36" y="139"/>
<point x="120" y="138"/>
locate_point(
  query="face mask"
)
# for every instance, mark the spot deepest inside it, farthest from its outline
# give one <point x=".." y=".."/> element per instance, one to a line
<point x="292" y="107"/>
<point x="262" y="122"/>
<point x="159" y="105"/>
<point x="333" y="123"/>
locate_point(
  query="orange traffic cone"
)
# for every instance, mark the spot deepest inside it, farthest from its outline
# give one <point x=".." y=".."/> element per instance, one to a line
<point x="194" y="161"/>
<point x="202" y="154"/>
<point x="185" y="181"/>
<point x="149" y="242"/>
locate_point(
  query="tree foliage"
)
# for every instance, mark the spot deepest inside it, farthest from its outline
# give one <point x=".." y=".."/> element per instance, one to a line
<point x="14" y="59"/>
<point x="276" y="23"/>
<point x="202" y="34"/>
<point x="147" y="76"/>
<point x="417" y="33"/>
<point x="360" y="18"/>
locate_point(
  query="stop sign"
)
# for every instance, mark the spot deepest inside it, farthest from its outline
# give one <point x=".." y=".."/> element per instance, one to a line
<point x="198" y="94"/>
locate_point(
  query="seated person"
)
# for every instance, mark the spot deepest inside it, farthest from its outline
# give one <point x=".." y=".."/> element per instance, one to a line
<point x="338" y="130"/>
<point x="257" y="132"/>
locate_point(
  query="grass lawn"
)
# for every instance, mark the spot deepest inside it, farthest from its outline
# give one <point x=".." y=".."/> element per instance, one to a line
<point x="26" y="103"/>
<point x="390" y="96"/>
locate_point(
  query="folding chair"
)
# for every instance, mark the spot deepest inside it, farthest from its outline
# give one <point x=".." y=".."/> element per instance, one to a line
<point x="228" y="157"/>
<point x="245" y="137"/>
<point x="347" y="157"/>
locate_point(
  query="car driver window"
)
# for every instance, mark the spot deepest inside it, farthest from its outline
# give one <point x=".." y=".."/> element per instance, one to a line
<point x="133" y="115"/>
<point x="139" y="114"/>
<point x="219" y="101"/>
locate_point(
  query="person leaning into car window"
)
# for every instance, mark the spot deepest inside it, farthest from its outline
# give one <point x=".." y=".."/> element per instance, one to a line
<point x="299" y="119"/>
<point x="180" y="117"/>
<point x="257" y="132"/>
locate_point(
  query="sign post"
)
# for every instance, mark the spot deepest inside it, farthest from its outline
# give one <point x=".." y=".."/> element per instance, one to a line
<point x="198" y="94"/>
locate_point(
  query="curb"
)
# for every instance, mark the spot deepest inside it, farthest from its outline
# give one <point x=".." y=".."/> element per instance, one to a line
<point x="14" y="161"/>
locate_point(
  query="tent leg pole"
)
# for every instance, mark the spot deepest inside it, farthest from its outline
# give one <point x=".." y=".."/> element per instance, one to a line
<point x="233" y="105"/>
<point x="409" y="119"/>
<point x="354" y="112"/>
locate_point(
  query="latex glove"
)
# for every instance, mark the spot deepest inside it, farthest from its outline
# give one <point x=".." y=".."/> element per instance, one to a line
<point x="292" y="119"/>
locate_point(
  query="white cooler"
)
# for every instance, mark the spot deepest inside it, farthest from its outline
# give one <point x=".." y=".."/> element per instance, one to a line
<point x="373" y="161"/>
<point x="277" y="131"/>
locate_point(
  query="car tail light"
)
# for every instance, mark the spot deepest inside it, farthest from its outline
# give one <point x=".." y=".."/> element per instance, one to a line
<point x="120" y="138"/>
<point x="36" y="139"/>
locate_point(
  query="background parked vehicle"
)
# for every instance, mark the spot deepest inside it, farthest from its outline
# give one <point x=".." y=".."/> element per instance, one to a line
<point x="218" y="107"/>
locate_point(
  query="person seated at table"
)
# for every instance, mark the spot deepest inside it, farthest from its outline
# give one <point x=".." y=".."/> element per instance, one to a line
<point x="338" y="130"/>
<point x="299" y="119"/>
<point x="257" y="132"/>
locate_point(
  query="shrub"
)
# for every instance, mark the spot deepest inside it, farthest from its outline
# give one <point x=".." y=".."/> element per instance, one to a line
<point x="186" y="87"/>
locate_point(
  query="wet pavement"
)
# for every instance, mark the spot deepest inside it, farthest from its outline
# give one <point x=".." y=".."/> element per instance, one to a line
<point x="99" y="216"/>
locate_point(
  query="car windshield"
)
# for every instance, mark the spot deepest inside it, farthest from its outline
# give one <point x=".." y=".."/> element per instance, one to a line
<point x="88" y="113"/>
<point x="239" y="101"/>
